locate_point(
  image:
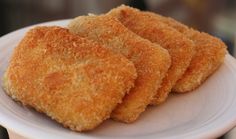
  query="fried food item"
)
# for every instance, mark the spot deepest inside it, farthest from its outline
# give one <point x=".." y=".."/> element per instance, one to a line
<point x="181" y="49"/>
<point x="210" y="53"/>
<point x="71" y="79"/>
<point x="150" y="60"/>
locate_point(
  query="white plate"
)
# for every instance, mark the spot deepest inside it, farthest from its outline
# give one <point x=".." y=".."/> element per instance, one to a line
<point x="207" y="112"/>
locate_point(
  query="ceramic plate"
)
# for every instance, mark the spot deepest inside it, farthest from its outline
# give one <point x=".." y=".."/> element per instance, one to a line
<point x="206" y="112"/>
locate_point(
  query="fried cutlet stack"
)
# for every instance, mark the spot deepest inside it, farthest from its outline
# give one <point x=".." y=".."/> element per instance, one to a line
<point x="180" y="48"/>
<point x="111" y="65"/>
<point x="150" y="60"/>
<point x="210" y="53"/>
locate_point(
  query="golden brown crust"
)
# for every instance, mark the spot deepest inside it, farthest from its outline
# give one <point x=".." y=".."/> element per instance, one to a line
<point x="181" y="49"/>
<point x="71" y="79"/>
<point x="210" y="53"/>
<point x="150" y="60"/>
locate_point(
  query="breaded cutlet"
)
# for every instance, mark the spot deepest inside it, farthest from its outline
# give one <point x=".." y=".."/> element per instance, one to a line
<point x="150" y="60"/>
<point x="69" y="78"/>
<point x="210" y="53"/>
<point x="180" y="48"/>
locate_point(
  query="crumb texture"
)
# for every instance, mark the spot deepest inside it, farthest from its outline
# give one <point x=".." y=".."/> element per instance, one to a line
<point x="73" y="80"/>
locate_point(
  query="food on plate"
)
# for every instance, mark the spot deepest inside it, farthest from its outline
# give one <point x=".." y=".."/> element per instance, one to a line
<point x="71" y="79"/>
<point x="210" y="53"/>
<point x="181" y="49"/>
<point x="150" y="60"/>
<point x="110" y="65"/>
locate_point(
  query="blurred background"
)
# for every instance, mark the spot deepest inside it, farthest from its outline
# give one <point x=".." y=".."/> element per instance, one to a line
<point x="217" y="17"/>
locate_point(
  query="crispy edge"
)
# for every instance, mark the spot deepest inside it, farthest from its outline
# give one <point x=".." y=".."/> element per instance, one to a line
<point x="210" y="53"/>
<point x="209" y="57"/>
<point x="152" y="63"/>
<point x="55" y="37"/>
<point x="181" y="49"/>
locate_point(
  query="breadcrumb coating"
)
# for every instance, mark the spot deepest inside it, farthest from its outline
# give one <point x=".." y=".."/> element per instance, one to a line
<point x="150" y="60"/>
<point x="210" y="53"/>
<point x="180" y="48"/>
<point x="71" y="79"/>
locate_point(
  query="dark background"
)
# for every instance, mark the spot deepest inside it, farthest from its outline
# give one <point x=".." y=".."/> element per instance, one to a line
<point x="217" y="17"/>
